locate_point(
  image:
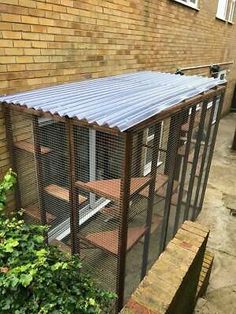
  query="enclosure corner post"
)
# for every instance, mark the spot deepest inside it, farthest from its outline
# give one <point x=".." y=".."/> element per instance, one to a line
<point x="73" y="193"/>
<point x="39" y="170"/>
<point x="124" y="207"/>
<point x="11" y="150"/>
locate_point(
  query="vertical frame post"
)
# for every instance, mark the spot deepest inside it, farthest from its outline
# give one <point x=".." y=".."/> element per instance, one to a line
<point x="205" y="149"/>
<point x="124" y="209"/>
<point x="11" y="150"/>
<point x="195" y="158"/>
<point x="39" y="170"/>
<point x="73" y="192"/>
<point x="184" y="169"/>
<point x="176" y="122"/>
<point x="151" y="196"/>
<point x="213" y="141"/>
<point x="234" y="141"/>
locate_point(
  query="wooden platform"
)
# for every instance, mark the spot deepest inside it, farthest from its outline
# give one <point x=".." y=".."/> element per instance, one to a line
<point x="29" y="147"/>
<point x="181" y="152"/>
<point x="108" y="240"/>
<point x="156" y="221"/>
<point x="33" y="211"/>
<point x="110" y="189"/>
<point x="161" y="180"/>
<point x="61" y="193"/>
<point x="162" y="191"/>
<point x="185" y="127"/>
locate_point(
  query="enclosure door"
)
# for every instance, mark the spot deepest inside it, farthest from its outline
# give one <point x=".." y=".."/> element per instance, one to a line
<point x="95" y="161"/>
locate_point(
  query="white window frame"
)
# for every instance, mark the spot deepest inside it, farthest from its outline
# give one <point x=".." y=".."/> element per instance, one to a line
<point x="149" y="138"/>
<point x="189" y="3"/>
<point x="232" y="11"/>
<point x="226" y="10"/>
<point x="222" y="9"/>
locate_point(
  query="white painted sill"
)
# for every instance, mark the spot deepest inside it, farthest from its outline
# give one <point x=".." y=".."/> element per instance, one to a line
<point x="224" y="20"/>
<point x="221" y="19"/>
<point x="187" y="5"/>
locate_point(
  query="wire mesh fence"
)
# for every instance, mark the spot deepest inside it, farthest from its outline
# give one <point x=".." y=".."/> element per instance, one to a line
<point x="114" y="198"/>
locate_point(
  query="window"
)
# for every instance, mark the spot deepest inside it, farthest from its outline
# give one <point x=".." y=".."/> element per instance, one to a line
<point x="222" y="9"/>
<point x="191" y="3"/>
<point x="148" y="150"/>
<point x="226" y="10"/>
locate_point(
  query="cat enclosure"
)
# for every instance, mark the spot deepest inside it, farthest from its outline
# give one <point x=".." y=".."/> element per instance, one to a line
<point x="114" y="165"/>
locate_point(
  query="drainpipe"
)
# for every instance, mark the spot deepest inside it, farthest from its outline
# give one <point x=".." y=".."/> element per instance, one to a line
<point x="213" y="68"/>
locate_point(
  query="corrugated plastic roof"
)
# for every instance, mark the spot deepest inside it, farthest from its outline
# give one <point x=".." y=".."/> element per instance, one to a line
<point x="120" y="101"/>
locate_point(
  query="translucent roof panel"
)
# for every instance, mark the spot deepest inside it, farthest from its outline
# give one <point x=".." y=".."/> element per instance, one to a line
<point x="120" y="101"/>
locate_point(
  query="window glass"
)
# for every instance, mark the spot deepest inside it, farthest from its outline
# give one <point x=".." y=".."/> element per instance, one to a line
<point x="222" y="9"/>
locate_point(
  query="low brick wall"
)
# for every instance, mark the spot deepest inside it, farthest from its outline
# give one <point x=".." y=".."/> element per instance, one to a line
<point x="171" y="284"/>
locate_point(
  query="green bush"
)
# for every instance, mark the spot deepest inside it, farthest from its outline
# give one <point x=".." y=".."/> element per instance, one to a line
<point x="36" y="278"/>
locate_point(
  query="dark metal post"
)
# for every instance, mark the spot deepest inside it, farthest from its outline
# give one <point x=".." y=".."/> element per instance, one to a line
<point x="124" y="209"/>
<point x="173" y="157"/>
<point x="195" y="158"/>
<point x="206" y="144"/>
<point x="39" y="170"/>
<point x="184" y="169"/>
<point x="11" y="150"/>
<point x="234" y="141"/>
<point x="208" y="166"/>
<point x="73" y="192"/>
<point x="151" y="196"/>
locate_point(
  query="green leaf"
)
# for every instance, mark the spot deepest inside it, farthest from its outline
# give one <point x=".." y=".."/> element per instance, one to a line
<point x="25" y="279"/>
<point x="11" y="243"/>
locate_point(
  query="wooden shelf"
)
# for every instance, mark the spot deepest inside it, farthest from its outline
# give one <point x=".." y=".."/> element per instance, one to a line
<point x="61" y="246"/>
<point x="185" y="127"/>
<point x="181" y="152"/>
<point x="29" y="147"/>
<point x="62" y="193"/>
<point x="161" y="180"/>
<point x="162" y="191"/>
<point x="33" y="211"/>
<point x="174" y="198"/>
<point x="193" y="141"/>
<point x="108" y="240"/>
<point x="156" y="221"/>
<point x="110" y="189"/>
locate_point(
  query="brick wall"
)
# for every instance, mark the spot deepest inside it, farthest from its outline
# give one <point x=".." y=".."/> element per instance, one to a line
<point x="47" y="42"/>
<point x="171" y="284"/>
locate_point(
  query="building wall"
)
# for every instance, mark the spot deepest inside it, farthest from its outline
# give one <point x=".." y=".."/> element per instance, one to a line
<point x="53" y="41"/>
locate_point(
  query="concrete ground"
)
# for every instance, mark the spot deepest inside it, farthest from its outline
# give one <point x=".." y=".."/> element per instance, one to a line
<point x="217" y="214"/>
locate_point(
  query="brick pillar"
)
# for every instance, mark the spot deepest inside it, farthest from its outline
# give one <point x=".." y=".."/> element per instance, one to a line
<point x="171" y="284"/>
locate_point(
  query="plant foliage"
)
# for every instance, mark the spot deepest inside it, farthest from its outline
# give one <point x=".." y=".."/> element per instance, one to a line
<point x="36" y="278"/>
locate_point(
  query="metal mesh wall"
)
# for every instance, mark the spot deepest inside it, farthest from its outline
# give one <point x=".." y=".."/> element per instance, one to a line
<point x="115" y="199"/>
